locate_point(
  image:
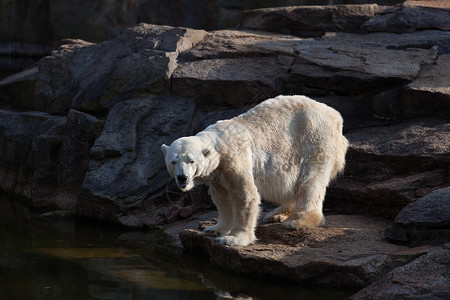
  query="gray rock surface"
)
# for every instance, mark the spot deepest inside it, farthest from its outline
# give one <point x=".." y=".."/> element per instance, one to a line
<point x="315" y="21"/>
<point x="94" y="77"/>
<point x="430" y="93"/>
<point x="427" y="277"/>
<point x="310" y="20"/>
<point x="424" y="221"/>
<point x="43" y="157"/>
<point x="410" y="16"/>
<point x="389" y="167"/>
<point x="348" y="251"/>
<point x="127" y="179"/>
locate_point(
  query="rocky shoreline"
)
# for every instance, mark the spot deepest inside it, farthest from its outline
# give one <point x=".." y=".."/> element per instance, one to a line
<point x="81" y="132"/>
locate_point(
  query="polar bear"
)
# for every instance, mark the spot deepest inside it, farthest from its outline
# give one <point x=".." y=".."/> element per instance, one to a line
<point x="284" y="150"/>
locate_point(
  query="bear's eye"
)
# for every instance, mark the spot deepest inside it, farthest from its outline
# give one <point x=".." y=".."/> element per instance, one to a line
<point x="191" y="161"/>
<point x="174" y="162"/>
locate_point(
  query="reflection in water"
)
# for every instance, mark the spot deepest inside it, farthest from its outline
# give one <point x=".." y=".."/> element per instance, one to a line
<point x="73" y="260"/>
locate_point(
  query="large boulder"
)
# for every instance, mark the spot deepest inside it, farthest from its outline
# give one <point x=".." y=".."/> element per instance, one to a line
<point x="427" y="277"/>
<point x="424" y="221"/>
<point x="44" y="157"/>
<point x="229" y="82"/>
<point x="27" y="159"/>
<point x="309" y="20"/>
<point x="94" y="77"/>
<point x="127" y="181"/>
<point x="389" y="167"/>
<point x="410" y="16"/>
<point x="233" y="67"/>
<point x="316" y="20"/>
<point x="429" y="94"/>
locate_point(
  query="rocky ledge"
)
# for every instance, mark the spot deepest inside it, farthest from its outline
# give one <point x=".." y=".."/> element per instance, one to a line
<point x="349" y="251"/>
<point x="81" y="131"/>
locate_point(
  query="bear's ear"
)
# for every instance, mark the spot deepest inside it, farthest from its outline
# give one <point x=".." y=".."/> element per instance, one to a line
<point x="164" y="148"/>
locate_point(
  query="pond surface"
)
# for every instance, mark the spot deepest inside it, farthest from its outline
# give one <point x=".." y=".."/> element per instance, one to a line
<point x="74" y="259"/>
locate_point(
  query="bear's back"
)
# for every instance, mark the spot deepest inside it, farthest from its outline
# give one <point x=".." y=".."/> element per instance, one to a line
<point x="284" y="112"/>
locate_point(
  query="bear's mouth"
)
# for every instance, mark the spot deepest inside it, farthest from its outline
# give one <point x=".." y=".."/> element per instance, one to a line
<point x="182" y="185"/>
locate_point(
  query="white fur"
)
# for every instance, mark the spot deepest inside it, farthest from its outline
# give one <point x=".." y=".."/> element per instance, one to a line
<point x="284" y="150"/>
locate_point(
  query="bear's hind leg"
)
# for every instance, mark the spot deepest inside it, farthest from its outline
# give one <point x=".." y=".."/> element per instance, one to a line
<point x="308" y="205"/>
<point x="219" y="196"/>
<point x="279" y="214"/>
<point x="313" y="218"/>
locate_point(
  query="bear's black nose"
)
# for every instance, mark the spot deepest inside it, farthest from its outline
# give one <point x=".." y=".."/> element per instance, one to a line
<point x="181" y="178"/>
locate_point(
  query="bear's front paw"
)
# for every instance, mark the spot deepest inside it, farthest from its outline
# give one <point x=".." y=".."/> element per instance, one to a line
<point x="241" y="239"/>
<point x="216" y="230"/>
<point x="230" y="241"/>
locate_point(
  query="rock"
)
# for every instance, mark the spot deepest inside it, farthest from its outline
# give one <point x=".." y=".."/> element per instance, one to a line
<point x="389" y="167"/>
<point x="127" y="181"/>
<point x="234" y="67"/>
<point x="354" y="112"/>
<point x="345" y="252"/>
<point x="27" y="140"/>
<point x="410" y="16"/>
<point x="387" y="104"/>
<point x="427" y="277"/>
<point x="309" y="20"/>
<point x="225" y="82"/>
<point x="424" y="39"/>
<point x="55" y="82"/>
<point x="316" y="20"/>
<point x="17" y="90"/>
<point x="80" y="132"/>
<point x="429" y="94"/>
<point x="44" y="157"/>
<point x="30" y="161"/>
<point x="173" y="229"/>
<point x="56" y="215"/>
<point x="204" y="119"/>
<point x="355" y="65"/>
<point x="245" y="43"/>
<point x="422" y="141"/>
<point x="94" y="77"/>
<point x="424" y="221"/>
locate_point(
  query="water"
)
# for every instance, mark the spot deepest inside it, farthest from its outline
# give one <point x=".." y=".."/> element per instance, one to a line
<point x="68" y="259"/>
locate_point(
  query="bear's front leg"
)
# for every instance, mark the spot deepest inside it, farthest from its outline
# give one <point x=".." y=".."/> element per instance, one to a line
<point x="245" y="203"/>
<point x="219" y="196"/>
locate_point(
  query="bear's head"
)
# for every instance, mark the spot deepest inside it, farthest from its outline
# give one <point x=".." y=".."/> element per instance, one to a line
<point x="187" y="158"/>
